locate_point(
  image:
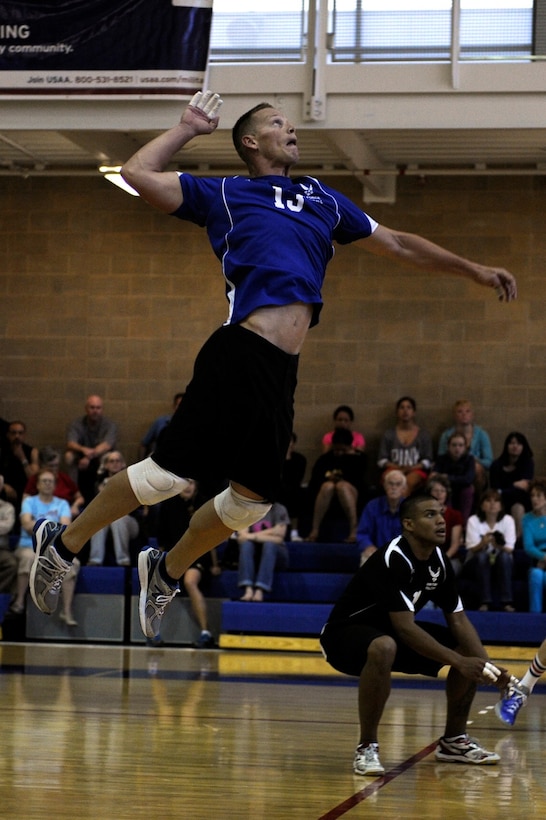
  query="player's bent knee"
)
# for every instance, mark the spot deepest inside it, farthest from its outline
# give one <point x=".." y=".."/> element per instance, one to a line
<point x="237" y="511"/>
<point x="151" y="483"/>
<point x="382" y="649"/>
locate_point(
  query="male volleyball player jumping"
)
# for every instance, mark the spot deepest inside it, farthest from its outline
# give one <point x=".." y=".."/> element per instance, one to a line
<point x="273" y="235"/>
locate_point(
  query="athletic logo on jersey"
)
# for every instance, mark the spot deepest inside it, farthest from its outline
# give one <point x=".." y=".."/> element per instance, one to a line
<point x="310" y="192"/>
<point x="434" y="575"/>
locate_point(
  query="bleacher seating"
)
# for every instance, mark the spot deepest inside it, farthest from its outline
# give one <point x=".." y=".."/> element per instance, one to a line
<point x="322" y="557"/>
<point x="470" y="592"/>
<point x="306" y="612"/>
<point x="4" y="604"/>
<point x="106" y="604"/>
<point x="308" y="620"/>
<point x="99" y="609"/>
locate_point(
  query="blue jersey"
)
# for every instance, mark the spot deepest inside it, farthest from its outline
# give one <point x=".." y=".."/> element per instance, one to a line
<point x="272" y="234"/>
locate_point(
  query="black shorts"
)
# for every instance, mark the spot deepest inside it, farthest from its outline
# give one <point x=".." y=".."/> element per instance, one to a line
<point x="204" y="566"/>
<point x="235" y="420"/>
<point x="345" y="646"/>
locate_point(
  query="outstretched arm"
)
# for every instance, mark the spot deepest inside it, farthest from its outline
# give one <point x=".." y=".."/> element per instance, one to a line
<point x="470" y="658"/>
<point x="145" y="170"/>
<point x="421" y="253"/>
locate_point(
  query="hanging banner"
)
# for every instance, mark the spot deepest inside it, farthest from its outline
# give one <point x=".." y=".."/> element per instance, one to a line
<point x="104" y="48"/>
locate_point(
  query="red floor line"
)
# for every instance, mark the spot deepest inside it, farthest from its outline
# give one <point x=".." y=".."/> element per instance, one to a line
<point x="357" y="798"/>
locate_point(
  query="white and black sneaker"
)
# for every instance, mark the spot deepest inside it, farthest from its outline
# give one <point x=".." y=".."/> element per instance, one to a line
<point x="464" y="749"/>
<point x="48" y="569"/>
<point x="367" y="761"/>
<point x="155" y="593"/>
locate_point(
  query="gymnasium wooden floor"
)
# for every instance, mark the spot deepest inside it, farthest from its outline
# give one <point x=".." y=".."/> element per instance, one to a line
<point x="115" y="732"/>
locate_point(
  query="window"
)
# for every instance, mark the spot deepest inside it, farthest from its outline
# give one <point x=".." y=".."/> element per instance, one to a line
<point x="264" y="31"/>
<point x="386" y="30"/>
<point x="499" y="29"/>
<point x="372" y="30"/>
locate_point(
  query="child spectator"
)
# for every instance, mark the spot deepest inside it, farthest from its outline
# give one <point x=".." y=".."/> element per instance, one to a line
<point x="458" y="466"/>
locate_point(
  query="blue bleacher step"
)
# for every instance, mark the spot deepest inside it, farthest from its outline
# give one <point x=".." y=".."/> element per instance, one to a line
<point x="274" y="618"/>
<point x="499" y="627"/>
<point x="319" y="557"/>
<point x="217" y="586"/>
<point x="298" y="587"/>
<point x="5" y="601"/>
<point x="309" y="587"/>
<point x="308" y="619"/>
<point x="102" y="580"/>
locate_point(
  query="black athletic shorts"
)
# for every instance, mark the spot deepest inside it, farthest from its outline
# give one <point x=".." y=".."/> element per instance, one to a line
<point x="204" y="565"/>
<point x="235" y="420"/>
<point x="345" y="647"/>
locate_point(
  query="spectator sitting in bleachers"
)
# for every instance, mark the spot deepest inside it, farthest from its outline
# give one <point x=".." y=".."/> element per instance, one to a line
<point x="43" y="505"/>
<point x="343" y="420"/>
<point x="490" y="540"/>
<point x="440" y="489"/>
<point x="338" y="474"/>
<point x="268" y="535"/>
<point x="89" y="438"/>
<point x="123" y="530"/>
<point x="477" y="442"/>
<point x="65" y="487"/>
<point x="511" y="474"/>
<point x="8" y="561"/>
<point x="380" y="521"/>
<point x="406" y="446"/>
<point x="18" y="461"/>
<point x="292" y="492"/>
<point x="533" y="528"/>
<point x="458" y="466"/>
<point x="173" y="519"/>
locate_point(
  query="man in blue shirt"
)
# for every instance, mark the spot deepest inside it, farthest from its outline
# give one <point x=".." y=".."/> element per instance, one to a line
<point x="380" y="520"/>
<point x="272" y="235"/>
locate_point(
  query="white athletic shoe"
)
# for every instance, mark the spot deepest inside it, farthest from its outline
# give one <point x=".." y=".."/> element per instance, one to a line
<point x="366" y="762"/>
<point x="464" y="749"/>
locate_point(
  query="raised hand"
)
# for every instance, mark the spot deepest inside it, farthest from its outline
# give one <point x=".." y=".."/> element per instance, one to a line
<point x="201" y="115"/>
<point x="206" y="102"/>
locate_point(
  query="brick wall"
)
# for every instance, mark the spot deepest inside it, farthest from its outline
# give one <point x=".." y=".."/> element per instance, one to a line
<point x="102" y="294"/>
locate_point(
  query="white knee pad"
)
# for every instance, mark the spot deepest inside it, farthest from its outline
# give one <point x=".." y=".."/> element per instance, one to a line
<point x="151" y="483"/>
<point x="237" y="511"/>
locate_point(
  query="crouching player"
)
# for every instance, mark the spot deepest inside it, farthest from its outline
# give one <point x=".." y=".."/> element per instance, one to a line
<point x="372" y="631"/>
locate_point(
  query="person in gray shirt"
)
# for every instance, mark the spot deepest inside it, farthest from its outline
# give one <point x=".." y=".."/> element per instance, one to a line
<point x="89" y="438"/>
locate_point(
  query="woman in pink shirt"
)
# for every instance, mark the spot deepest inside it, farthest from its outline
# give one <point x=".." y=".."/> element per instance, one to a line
<point x="343" y="418"/>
